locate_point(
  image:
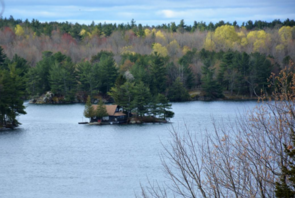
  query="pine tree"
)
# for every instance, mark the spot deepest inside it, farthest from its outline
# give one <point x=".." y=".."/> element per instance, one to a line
<point x="141" y="99"/>
<point x="2" y="58"/>
<point x="88" y="111"/>
<point x="164" y="106"/>
<point x="101" y="110"/>
<point x="12" y="87"/>
<point x="108" y="73"/>
<point x="209" y="85"/>
<point x="87" y="78"/>
<point x="123" y="95"/>
<point x="177" y="92"/>
<point x="158" y="75"/>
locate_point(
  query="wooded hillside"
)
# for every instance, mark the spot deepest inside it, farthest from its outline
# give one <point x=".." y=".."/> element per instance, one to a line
<point x="170" y="59"/>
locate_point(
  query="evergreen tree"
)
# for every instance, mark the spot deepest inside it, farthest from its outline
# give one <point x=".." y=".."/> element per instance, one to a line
<point x="242" y="62"/>
<point x="158" y="75"/>
<point x="101" y="110"/>
<point x="177" y="92"/>
<point x="108" y="73"/>
<point x="11" y="89"/>
<point x="209" y="85"/>
<point x="2" y="59"/>
<point x="259" y="71"/>
<point x="123" y="95"/>
<point x="62" y="79"/>
<point x="164" y="107"/>
<point x="173" y="27"/>
<point x="88" y="111"/>
<point x="87" y="78"/>
<point x="227" y="62"/>
<point x="142" y="98"/>
<point x="185" y="71"/>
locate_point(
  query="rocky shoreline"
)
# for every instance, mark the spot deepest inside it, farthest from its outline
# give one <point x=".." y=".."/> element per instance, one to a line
<point x="50" y="98"/>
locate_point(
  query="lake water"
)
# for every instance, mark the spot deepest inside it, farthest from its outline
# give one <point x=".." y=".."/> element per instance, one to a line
<point x="50" y="155"/>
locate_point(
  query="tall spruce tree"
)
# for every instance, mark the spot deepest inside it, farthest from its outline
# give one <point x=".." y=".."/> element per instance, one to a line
<point x="101" y="110"/>
<point x="158" y="75"/>
<point x="142" y="98"/>
<point x="88" y="111"/>
<point x="209" y="85"/>
<point x="87" y="78"/>
<point x="177" y="92"/>
<point x="164" y="107"/>
<point x="12" y="87"/>
<point x="108" y="73"/>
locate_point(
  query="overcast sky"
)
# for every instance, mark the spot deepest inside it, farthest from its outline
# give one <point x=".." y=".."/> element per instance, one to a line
<point x="151" y="12"/>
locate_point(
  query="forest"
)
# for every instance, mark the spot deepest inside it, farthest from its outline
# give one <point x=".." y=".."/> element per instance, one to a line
<point x="182" y="62"/>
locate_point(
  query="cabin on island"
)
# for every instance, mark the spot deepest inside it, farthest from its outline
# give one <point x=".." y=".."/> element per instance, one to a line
<point x="115" y="115"/>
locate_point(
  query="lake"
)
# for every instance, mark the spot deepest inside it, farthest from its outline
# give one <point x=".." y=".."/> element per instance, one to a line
<point x="51" y="155"/>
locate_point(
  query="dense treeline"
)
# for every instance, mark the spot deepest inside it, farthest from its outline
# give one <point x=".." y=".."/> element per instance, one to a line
<point x="230" y="72"/>
<point x="221" y="59"/>
<point x="174" y="40"/>
<point x="107" y="29"/>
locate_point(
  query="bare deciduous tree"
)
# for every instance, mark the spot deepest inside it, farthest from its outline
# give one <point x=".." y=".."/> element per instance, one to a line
<point x="241" y="159"/>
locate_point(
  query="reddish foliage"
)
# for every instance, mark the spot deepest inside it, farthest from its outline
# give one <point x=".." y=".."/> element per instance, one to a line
<point x="9" y="33"/>
<point x="102" y="40"/>
<point x="8" y="30"/>
<point x="68" y="38"/>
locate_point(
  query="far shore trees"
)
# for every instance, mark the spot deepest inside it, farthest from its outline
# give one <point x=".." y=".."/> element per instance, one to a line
<point x="73" y="61"/>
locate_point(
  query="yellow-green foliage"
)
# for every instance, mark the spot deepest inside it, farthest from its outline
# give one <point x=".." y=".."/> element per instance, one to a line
<point x="147" y="32"/>
<point x="254" y="35"/>
<point x="244" y="41"/>
<point x="162" y="50"/>
<point x="82" y="32"/>
<point x="285" y="33"/>
<point x="280" y="47"/>
<point x="258" y="44"/>
<point x="19" y="31"/>
<point x="173" y="44"/>
<point x="209" y="43"/>
<point x="241" y="34"/>
<point x="159" y="34"/>
<point x="127" y="50"/>
<point x="185" y="49"/>
<point x="225" y="35"/>
<point x="258" y="39"/>
<point x="94" y="32"/>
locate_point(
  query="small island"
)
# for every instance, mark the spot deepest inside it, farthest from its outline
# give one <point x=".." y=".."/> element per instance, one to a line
<point x="155" y="111"/>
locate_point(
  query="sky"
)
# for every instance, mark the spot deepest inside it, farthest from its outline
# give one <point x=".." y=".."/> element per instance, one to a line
<point x="149" y="12"/>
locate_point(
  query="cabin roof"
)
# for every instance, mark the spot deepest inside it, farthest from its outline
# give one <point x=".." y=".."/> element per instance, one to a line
<point x="111" y="110"/>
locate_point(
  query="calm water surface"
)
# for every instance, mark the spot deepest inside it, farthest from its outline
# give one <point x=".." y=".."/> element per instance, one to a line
<point x="50" y="155"/>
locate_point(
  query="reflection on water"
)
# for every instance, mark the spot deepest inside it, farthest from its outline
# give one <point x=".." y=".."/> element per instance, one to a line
<point x="50" y="155"/>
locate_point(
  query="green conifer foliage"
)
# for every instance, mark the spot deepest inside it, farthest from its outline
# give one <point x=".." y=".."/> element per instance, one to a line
<point x="209" y="85"/>
<point x="177" y="92"/>
<point x="88" y="111"/>
<point x="11" y="91"/>
<point x="158" y="75"/>
<point x="101" y="110"/>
